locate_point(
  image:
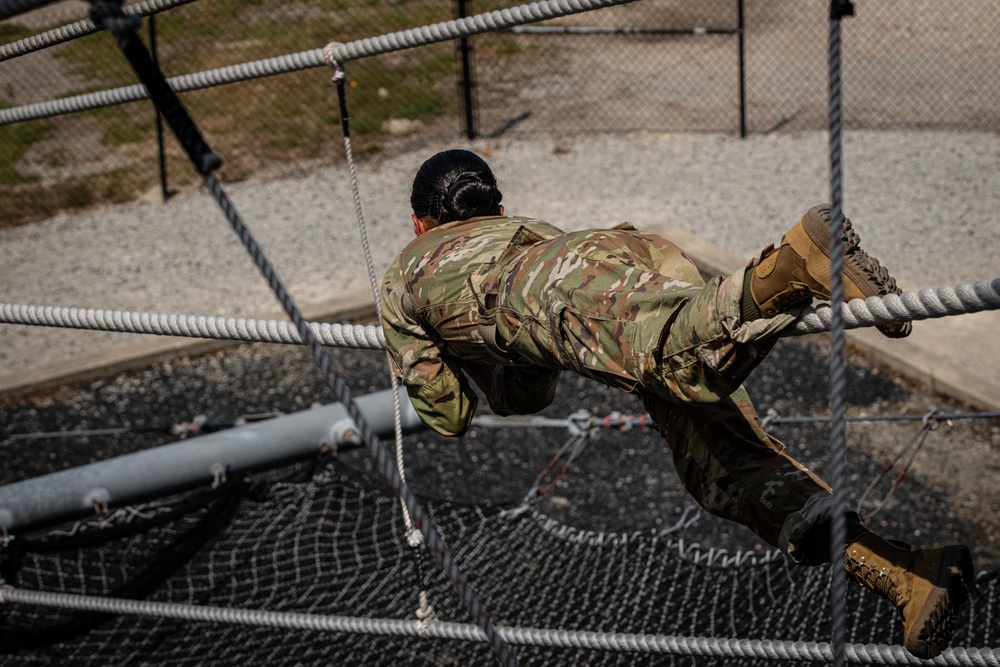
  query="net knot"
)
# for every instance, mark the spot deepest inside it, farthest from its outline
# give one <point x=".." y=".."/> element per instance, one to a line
<point x="425" y="614"/>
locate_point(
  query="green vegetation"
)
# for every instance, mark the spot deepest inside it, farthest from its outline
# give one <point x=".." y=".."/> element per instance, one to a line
<point x="255" y="124"/>
<point x="10" y="32"/>
<point x="406" y="92"/>
<point x="128" y="124"/>
<point x="15" y="142"/>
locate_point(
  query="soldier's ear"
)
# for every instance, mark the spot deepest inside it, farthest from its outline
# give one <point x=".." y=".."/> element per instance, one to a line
<point x="423" y="224"/>
<point x="500" y="209"/>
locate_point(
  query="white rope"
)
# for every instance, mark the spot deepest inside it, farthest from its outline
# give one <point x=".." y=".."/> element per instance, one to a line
<point x="922" y="305"/>
<point x="363" y="48"/>
<point x="192" y="326"/>
<point x="669" y="644"/>
<point x="80" y="28"/>
<point x="925" y="304"/>
<point x="413" y="536"/>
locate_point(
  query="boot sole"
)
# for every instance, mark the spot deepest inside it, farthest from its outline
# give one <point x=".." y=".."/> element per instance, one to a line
<point x="954" y="581"/>
<point x="863" y="271"/>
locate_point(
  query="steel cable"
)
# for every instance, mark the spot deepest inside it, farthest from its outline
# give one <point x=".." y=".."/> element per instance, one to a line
<point x="838" y="348"/>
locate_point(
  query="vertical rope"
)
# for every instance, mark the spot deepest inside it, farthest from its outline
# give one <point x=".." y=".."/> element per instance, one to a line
<point x="414" y="539"/>
<point x="108" y="13"/>
<point x="838" y="381"/>
<point x="340" y="79"/>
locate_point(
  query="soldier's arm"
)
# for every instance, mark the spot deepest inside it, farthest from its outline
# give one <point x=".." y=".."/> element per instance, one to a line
<point x="437" y="388"/>
<point x="514" y="390"/>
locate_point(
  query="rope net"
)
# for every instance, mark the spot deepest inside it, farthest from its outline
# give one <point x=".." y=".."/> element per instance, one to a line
<point x="325" y="539"/>
<point x="277" y="543"/>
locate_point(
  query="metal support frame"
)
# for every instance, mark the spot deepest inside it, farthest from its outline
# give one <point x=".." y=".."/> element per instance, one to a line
<point x="74" y="493"/>
<point x="741" y="48"/>
<point x="468" y="83"/>
<point x="161" y="153"/>
<point x="9" y="8"/>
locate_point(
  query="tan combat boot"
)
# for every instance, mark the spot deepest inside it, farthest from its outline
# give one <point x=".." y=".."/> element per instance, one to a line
<point x="927" y="586"/>
<point x="799" y="269"/>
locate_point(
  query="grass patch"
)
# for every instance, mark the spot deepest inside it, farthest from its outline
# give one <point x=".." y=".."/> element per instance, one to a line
<point x="32" y="202"/>
<point x="126" y="124"/>
<point x="11" y="32"/>
<point x="378" y="92"/>
<point x="15" y="141"/>
<point x="253" y="125"/>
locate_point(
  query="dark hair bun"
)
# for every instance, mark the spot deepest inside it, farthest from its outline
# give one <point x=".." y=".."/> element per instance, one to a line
<point x="455" y="185"/>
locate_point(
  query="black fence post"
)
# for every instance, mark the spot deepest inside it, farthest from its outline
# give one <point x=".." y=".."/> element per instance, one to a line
<point x="468" y="82"/>
<point x="742" y="57"/>
<point x="159" y="119"/>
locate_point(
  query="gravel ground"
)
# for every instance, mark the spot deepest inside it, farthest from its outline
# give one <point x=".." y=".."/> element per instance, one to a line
<point x="925" y="203"/>
<point x="622" y="482"/>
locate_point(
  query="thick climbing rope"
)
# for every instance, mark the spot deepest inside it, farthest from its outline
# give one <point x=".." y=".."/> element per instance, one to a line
<point x="363" y="48"/>
<point x="79" y="29"/>
<point x="193" y="326"/>
<point x="668" y="644"/>
<point x="838" y="348"/>
<point x="926" y="304"/>
<point x="108" y="13"/>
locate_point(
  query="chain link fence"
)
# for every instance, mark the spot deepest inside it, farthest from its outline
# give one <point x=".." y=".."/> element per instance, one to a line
<point x="732" y="66"/>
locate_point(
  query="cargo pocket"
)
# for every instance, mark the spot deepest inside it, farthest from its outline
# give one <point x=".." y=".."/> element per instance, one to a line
<point x="599" y="346"/>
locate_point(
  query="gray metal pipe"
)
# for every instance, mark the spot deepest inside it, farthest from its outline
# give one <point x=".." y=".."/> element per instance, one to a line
<point x="74" y="493"/>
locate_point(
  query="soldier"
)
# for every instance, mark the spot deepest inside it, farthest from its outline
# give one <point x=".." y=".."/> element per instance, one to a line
<point x="510" y="302"/>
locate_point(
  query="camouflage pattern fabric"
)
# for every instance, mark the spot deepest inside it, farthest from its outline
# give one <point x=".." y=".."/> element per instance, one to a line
<point x="623" y="307"/>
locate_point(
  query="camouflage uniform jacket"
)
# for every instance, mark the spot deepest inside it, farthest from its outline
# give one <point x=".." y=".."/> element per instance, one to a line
<point x="595" y="302"/>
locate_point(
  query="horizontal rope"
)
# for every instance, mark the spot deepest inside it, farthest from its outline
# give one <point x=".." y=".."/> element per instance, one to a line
<point x="371" y="46"/>
<point x="925" y="304"/>
<point x="699" y="646"/>
<point x="192" y="326"/>
<point x="79" y="29"/>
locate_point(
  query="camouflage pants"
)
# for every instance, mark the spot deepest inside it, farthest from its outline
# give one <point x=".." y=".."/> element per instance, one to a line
<point x="632" y="311"/>
<point x="735" y="470"/>
<point x="726" y="461"/>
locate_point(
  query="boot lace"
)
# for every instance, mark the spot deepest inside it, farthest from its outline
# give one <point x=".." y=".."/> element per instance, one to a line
<point x="881" y="579"/>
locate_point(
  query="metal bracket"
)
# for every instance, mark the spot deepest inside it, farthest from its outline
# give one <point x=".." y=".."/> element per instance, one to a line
<point x="841" y="8"/>
<point x="98" y="499"/>
<point x="579" y="423"/>
<point x="342" y="432"/>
